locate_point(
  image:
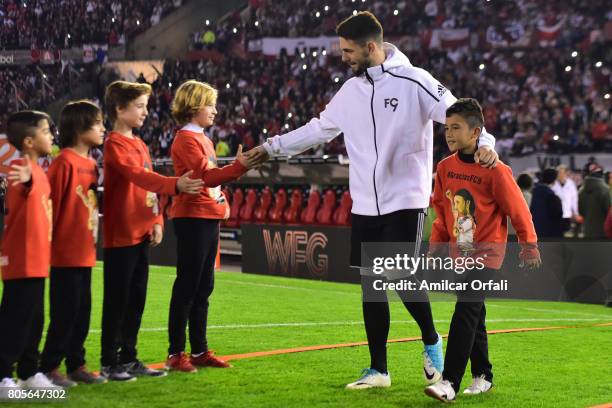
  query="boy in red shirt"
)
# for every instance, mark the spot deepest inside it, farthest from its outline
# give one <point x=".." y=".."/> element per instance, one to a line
<point x="73" y="176"/>
<point x="472" y="204"/>
<point x="196" y="222"/>
<point x="26" y="248"/>
<point x="132" y="222"/>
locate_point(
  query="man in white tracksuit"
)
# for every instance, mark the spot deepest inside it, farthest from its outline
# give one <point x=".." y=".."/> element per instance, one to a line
<point x="386" y="112"/>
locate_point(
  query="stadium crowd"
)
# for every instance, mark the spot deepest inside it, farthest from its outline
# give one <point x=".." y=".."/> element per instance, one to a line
<point x="36" y="86"/>
<point x="531" y="101"/>
<point x="535" y="99"/>
<point x="312" y="18"/>
<point x="51" y="24"/>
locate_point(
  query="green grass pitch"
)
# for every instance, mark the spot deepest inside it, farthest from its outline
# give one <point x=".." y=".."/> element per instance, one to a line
<point x="562" y="368"/>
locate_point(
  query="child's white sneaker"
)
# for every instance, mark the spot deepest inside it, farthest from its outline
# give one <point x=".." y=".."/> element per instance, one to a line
<point x="38" y="381"/>
<point x="479" y="385"/>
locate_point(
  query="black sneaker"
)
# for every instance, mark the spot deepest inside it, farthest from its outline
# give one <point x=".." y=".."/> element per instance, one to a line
<point x="116" y="373"/>
<point x="138" y="369"/>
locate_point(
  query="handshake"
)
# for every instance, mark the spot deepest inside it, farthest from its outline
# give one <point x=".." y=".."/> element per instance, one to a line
<point x="185" y="184"/>
<point x="253" y="158"/>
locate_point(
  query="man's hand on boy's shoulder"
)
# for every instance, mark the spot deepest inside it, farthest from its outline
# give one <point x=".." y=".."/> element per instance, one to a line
<point x="486" y="156"/>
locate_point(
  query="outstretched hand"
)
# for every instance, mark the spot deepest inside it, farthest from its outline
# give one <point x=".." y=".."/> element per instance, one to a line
<point x="21" y="174"/>
<point x="188" y="185"/>
<point x="253" y="158"/>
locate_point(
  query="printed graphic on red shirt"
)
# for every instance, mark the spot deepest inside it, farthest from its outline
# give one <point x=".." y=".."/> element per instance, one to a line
<point x="90" y="200"/>
<point x="48" y="207"/>
<point x="463" y="208"/>
<point x="215" y="192"/>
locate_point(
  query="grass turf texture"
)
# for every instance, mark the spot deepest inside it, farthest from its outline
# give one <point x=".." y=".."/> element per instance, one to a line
<point x="561" y="368"/>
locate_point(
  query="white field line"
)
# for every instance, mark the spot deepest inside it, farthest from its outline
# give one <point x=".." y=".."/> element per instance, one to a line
<point x="533" y="309"/>
<point x="269" y="285"/>
<point x="355" y="322"/>
<point x="266" y="285"/>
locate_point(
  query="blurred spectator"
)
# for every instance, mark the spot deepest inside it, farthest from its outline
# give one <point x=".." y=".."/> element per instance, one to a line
<point x="594" y="202"/>
<point x="525" y="183"/>
<point x="566" y="190"/>
<point x="546" y="208"/>
<point x="222" y="149"/>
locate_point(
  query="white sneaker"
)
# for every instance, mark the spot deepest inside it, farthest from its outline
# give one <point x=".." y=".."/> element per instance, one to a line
<point x="442" y="390"/>
<point x="479" y="385"/>
<point x="370" y="378"/>
<point x="38" y="381"/>
<point x="5" y="385"/>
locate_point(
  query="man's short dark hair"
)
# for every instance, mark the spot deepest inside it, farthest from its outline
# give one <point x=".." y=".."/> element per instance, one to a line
<point x="548" y="175"/>
<point x="23" y="124"/>
<point x="361" y="28"/>
<point x="524" y="181"/>
<point x="77" y="117"/>
<point x="469" y="109"/>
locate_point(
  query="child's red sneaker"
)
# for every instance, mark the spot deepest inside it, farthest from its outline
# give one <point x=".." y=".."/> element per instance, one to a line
<point x="180" y="362"/>
<point x="208" y="359"/>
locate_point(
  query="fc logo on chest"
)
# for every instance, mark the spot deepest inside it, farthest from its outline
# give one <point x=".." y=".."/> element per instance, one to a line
<point x="392" y="102"/>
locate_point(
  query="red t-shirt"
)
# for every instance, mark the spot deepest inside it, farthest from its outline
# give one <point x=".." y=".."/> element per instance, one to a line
<point x="192" y="150"/>
<point x="472" y="204"/>
<point x="131" y="206"/>
<point x="26" y="242"/>
<point x="73" y="181"/>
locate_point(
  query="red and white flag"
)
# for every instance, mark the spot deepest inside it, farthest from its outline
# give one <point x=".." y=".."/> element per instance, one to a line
<point x="548" y="30"/>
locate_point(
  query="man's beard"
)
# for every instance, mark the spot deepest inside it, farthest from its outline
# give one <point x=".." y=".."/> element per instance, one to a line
<point x="362" y="67"/>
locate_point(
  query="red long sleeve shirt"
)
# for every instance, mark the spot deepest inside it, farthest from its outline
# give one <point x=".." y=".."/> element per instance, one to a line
<point x="192" y="150"/>
<point x="73" y="180"/>
<point x="472" y="204"/>
<point x="131" y="207"/>
<point x="26" y="242"/>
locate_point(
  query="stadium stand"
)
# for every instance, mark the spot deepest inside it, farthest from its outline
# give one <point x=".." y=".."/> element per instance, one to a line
<point x="45" y="24"/>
